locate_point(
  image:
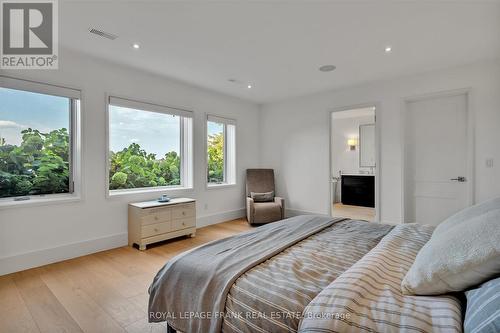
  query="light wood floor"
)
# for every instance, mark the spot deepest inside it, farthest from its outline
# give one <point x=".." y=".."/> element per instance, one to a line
<point x="101" y="292"/>
<point x="353" y="212"/>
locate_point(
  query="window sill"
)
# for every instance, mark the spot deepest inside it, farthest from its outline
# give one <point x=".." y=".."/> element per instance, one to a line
<point x="217" y="186"/>
<point x="118" y="193"/>
<point x="40" y="201"/>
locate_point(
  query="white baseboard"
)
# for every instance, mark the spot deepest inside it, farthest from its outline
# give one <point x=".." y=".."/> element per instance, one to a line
<point x="203" y="221"/>
<point x="42" y="257"/>
<point x="38" y="258"/>
<point x="290" y="212"/>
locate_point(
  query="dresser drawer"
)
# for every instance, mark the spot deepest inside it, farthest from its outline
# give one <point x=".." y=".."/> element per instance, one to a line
<point x="178" y="224"/>
<point x="156" y="216"/>
<point x="183" y="211"/>
<point x="155" y="229"/>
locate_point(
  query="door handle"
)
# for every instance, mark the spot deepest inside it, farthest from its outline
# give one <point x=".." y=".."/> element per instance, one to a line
<point x="459" y="179"/>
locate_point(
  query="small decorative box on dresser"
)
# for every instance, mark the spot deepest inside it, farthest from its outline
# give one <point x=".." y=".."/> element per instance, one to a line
<point x="153" y="221"/>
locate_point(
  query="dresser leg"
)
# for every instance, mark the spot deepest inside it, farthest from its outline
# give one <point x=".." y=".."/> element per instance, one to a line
<point x="192" y="235"/>
<point x="142" y="247"/>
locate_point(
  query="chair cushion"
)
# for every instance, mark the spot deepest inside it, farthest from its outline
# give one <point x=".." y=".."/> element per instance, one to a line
<point x="267" y="212"/>
<point x="262" y="197"/>
<point x="259" y="180"/>
<point x="483" y="308"/>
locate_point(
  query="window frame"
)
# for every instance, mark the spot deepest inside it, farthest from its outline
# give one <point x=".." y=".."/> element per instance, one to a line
<point x="75" y="142"/>
<point x="185" y="150"/>
<point x="225" y="121"/>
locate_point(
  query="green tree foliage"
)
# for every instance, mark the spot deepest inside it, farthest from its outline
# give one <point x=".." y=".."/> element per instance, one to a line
<point x="133" y="167"/>
<point x="39" y="165"/>
<point x="215" y="158"/>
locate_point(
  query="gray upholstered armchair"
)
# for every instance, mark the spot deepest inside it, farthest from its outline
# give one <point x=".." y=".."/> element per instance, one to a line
<point x="260" y="212"/>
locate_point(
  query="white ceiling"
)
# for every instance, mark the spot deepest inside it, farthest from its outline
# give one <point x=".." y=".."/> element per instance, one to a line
<point x="277" y="46"/>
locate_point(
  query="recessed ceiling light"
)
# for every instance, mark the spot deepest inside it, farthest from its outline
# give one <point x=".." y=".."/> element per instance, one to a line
<point x="388" y="49"/>
<point x="327" y="68"/>
<point x="136" y="46"/>
<point x="240" y="83"/>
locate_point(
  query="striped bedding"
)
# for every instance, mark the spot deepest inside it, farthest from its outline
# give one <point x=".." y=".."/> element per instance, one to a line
<point x="367" y="297"/>
<point x="271" y="296"/>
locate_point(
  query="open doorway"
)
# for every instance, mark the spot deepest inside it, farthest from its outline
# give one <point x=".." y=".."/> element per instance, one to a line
<point x="353" y="163"/>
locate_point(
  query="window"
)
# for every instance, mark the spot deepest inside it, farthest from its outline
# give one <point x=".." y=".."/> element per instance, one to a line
<point x="150" y="146"/>
<point x="221" y="151"/>
<point x="37" y="139"/>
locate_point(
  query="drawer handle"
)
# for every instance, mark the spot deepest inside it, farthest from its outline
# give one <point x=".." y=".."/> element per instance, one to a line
<point x="156" y="217"/>
<point x="183" y="213"/>
<point x="183" y="223"/>
<point x="156" y="230"/>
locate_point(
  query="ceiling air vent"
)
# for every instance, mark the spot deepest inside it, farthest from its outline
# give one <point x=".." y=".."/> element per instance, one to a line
<point x="102" y="33"/>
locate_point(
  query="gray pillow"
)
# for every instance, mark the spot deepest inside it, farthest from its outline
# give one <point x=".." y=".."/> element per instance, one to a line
<point x="262" y="197"/>
<point x="483" y="304"/>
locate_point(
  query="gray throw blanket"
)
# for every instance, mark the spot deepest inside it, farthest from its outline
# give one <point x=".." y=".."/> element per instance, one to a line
<point x="190" y="291"/>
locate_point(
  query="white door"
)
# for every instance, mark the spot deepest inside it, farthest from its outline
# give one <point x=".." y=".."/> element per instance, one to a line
<point x="435" y="158"/>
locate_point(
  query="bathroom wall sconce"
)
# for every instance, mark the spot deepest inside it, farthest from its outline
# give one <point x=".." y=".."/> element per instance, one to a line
<point x="352" y="143"/>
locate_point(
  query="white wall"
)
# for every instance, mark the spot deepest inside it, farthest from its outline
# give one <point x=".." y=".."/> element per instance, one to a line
<point x="36" y="235"/>
<point x="296" y="134"/>
<point x="344" y="159"/>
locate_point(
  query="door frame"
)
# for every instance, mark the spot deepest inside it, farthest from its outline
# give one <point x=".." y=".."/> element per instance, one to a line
<point x="470" y="136"/>
<point x="378" y="165"/>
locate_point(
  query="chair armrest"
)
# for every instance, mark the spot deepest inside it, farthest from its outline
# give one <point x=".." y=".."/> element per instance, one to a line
<point x="281" y="202"/>
<point x="250" y="210"/>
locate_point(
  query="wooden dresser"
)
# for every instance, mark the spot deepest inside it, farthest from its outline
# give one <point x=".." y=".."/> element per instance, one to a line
<point x="153" y="221"/>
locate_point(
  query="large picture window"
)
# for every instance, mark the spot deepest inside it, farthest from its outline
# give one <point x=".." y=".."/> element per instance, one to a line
<point x="36" y="139"/>
<point x="150" y="146"/>
<point x="221" y="151"/>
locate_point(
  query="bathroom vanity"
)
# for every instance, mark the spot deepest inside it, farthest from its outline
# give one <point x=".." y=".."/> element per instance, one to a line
<point x="358" y="190"/>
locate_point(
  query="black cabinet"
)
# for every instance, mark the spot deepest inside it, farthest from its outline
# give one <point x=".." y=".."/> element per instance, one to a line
<point x="358" y="190"/>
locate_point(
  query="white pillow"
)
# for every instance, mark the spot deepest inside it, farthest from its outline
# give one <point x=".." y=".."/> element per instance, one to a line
<point x="466" y="214"/>
<point x="456" y="258"/>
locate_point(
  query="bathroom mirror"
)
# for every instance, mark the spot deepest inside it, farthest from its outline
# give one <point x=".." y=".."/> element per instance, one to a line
<point x="367" y="145"/>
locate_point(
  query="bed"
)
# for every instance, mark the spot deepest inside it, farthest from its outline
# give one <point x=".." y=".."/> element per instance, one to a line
<point x="303" y="274"/>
